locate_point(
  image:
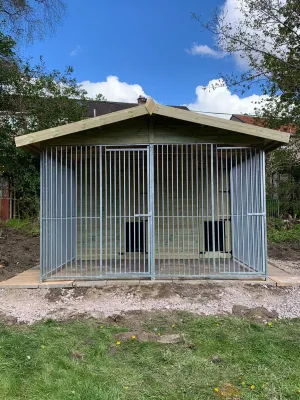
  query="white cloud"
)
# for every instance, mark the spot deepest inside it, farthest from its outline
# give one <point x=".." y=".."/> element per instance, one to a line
<point x="231" y="13"/>
<point x="114" y="90"/>
<point x="216" y="97"/>
<point x="204" y="50"/>
<point x="76" y="51"/>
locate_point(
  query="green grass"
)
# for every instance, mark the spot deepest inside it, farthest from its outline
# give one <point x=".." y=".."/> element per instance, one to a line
<point x="24" y="225"/>
<point x="36" y="362"/>
<point x="277" y="233"/>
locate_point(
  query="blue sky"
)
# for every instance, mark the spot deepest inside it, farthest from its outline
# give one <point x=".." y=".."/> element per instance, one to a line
<point x="142" y="43"/>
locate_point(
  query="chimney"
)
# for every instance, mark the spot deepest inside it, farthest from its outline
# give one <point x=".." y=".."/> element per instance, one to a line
<point x="141" y="100"/>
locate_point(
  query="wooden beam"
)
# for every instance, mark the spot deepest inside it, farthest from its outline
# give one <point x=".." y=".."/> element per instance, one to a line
<point x="150" y="105"/>
<point x="227" y="125"/>
<point x="79" y="126"/>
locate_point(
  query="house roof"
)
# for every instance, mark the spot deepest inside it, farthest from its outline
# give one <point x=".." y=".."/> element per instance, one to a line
<point x="272" y="138"/>
<point x="96" y="108"/>
<point x="247" y="119"/>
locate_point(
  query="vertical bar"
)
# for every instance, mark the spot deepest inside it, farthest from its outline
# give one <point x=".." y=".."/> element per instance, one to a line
<point x="232" y="212"/>
<point x="158" y="200"/>
<point x="242" y="209"/>
<point x="56" y="215"/>
<point x="202" y="211"/>
<point x="61" y="210"/>
<point x="168" y="210"/>
<point x="264" y="221"/>
<point x="76" y="208"/>
<point x="150" y="191"/>
<point x="139" y="212"/>
<point x="228" y="225"/>
<point x="182" y="211"/>
<point x="163" y="206"/>
<point x="51" y="212"/>
<point x="101" y="208"/>
<point x="173" y="214"/>
<point x="129" y="210"/>
<point x="218" y="209"/>
<point x="110" y="214"/>
<point x="71" y="212"/>
<point x="192" y="208"/>
<point x="96" y="213"/>
<point x="46" y="215"/>
<point x="106" y="211"/>
<point x="81" y="207"/>
<point x="207" y="209"/>
<point x="90" y="216"/>
<point x="187" y="205"/>
<point x="257" y="197"/>
<point x="86" y="212"/>
<point x="66" y="209"/>
<point x="134" y="212"/>
<point x="197" y="206"/>
<point x="247" y="209"/>
<point x="124" y="219"/>
<point x="177" y="210"/>
<point x="120" y="211"/>
<point x="212" y="204"/>
<point x="144" y="212"/>
<point x="222" y="206"/>
<point x="115" y="206"/>
<point x="42" y="219"/>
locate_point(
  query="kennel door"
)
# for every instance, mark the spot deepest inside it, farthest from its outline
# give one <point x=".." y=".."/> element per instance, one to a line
<point x="126" y="210"/>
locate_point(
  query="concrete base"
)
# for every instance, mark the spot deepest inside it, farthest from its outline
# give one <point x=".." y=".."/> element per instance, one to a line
<point x="30" y="279"/>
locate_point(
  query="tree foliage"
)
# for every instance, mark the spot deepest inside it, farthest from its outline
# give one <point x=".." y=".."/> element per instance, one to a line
<point x="30" y="19"/>
<point x="31" y="99"/>
<point x="265" y="40"/>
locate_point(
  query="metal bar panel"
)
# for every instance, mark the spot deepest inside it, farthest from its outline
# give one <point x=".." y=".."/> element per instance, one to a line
<point x="212" y="204"/>
<point x="76" y="208"/>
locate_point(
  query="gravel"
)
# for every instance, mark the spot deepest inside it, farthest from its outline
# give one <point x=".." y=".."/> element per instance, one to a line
<point x="290" y="266"/>
<point x="29" y="306"/>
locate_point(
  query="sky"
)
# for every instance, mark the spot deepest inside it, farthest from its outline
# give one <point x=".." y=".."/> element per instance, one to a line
<point x="124" y="49"/>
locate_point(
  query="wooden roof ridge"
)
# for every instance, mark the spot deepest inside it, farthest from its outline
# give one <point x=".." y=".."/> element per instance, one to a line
<point x="151" y="108"/>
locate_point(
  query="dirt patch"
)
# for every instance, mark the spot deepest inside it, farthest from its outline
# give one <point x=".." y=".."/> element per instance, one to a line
<point x="256" y="313"/>
<point x="18" y="252"/>
<point x="284" y="251"/>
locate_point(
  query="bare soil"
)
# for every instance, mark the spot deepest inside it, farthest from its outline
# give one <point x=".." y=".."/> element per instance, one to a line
<point x="18" y="252"/>
<point x="284" y="251"/>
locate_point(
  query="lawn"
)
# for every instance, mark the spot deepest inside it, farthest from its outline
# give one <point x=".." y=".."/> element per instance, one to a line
<point x="224" y="357"/>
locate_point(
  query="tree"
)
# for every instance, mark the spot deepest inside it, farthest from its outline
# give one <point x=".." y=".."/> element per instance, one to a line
<point x="31" y="99"/>
<point x="100" y="97"/>
<point x="266" y="41"/>
<point x="30" y="19"/>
